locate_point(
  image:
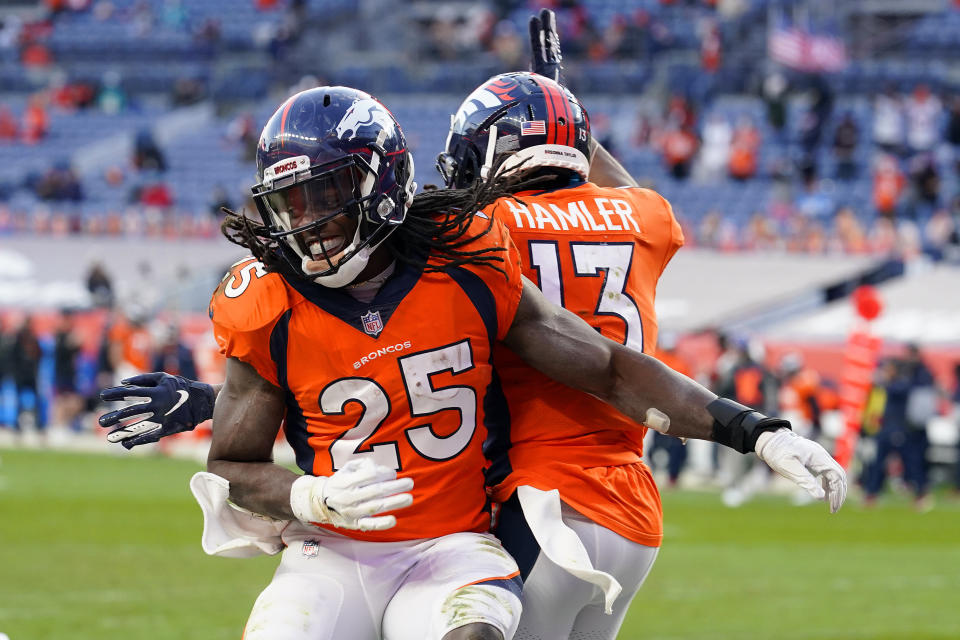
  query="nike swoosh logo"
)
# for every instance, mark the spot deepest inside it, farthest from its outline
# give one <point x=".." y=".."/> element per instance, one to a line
<point x="183" y="398"/>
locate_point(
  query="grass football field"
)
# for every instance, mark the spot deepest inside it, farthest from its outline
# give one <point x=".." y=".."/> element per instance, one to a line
<point x="102" y="547"/>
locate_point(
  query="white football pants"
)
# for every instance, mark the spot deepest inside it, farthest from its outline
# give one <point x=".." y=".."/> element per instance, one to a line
<point x="330" y="587"/>
<point x="558" y="605"/>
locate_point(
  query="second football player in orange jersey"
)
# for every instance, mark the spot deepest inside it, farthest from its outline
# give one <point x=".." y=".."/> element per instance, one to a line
<point x="599" y="252"/>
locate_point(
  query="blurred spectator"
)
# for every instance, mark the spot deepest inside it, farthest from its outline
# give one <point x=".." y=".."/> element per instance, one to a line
<point x="849" y="233"/>
<point x="679" y="148"/>
<point x="36" y="122"/>
<point x="845" y="138"/>
<point x="100" y="286"/>
<point x="173" y="16"/>
<point x="909" y="401"/>
<point x="147" y="155"/>
<point x="67" y="400"/>
<point x="888" y="185"/>
<point x="710" y="46"/>
<point x="219" y="199"/>
<point x="59" y="184"/>
<point x="775" y="96"/>
<point x="744" y="149"/>
<point x="173" y="356"/>
<point x="508" y="46"/>
<point x="680" y="113"/>
<point x="815" y="202"/>
<point x="938" y="234"/>
<point x="923" y="110"/>
<point x="888" y="121"/>
<point x="925" y="185"/>
<point x="153" y="194"/>
<point x="814" y="119"/>
<point x="761" y="233"/>
<point x="187" y="91"/>
<point x="715" y="152"/>
<point x="69" y="96"/>
<point x="25" y="357"/>
<point x="9" y="129"/>
<point x="243" y="131"/>
<point x="111" y="98"/>
<point x="953" y="122"/>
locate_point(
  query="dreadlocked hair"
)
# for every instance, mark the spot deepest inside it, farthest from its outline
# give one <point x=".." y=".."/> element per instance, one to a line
<point x="434" y="234"/>
<point x="436" y="228"/>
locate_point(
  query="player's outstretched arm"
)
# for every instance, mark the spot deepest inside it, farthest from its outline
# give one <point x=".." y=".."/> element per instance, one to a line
<point x="564" y="347"/>
<point x="605" y="170"/>
<point x="165" y="405"/>
<point x="246" y="421"/>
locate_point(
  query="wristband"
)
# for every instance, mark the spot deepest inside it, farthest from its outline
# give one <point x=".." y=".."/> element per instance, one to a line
<point x="738" y="427"/>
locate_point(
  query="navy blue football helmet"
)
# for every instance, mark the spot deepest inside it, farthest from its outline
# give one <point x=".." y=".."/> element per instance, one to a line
<point x="336" y="179"/>
<point x="522" y="120"/>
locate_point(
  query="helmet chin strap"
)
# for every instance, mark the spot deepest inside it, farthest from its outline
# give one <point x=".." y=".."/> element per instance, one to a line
<point x="347" y="270"/>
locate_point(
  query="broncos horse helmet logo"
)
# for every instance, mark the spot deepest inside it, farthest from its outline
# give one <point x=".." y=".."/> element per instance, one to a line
<point x="363" y="113"/>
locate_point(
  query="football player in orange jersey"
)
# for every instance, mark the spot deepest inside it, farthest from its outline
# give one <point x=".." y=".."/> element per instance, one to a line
<point x="353" y="367"/>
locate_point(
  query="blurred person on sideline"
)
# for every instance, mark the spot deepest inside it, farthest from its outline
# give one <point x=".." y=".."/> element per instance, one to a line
<point x="173" y="356"/>
<point x="955" y="414"/>
<point x="100" y="286"/>
<point x="751" y="384"/>
<point x="909" y="400"/>
<point x="674" y="448"/>
<point x="25" y="355"/>
<point x="68" y="403"/>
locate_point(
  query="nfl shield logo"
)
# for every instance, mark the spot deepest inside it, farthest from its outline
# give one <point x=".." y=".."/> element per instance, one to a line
<point x="311" y="548"/>
<point x="372" y="323"/>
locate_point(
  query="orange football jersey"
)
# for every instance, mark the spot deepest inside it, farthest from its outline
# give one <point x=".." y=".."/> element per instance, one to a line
<point x="598" y="252"/>
<point x="405" y="379"/>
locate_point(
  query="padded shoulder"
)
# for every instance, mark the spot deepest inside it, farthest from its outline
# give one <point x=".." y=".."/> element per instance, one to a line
<point x="248" y="298"/>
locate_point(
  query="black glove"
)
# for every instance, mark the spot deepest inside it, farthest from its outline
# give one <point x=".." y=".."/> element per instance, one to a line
<point x="545" y="45"/>
<point x="173" y="404"/>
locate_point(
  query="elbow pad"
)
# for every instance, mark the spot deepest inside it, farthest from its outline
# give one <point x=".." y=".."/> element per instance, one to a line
<point x="738" y="427"/>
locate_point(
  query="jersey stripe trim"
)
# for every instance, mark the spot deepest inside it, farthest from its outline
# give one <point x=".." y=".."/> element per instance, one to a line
<point x="512" y="583"/>
<point x="295" y="424"/>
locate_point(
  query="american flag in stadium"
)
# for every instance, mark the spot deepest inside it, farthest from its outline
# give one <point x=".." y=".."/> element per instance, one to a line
<point x="802" y="50"/>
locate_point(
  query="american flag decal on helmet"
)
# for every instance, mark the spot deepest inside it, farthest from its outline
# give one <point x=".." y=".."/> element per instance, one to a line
<point x="533" y="128"/>
<point x="372" y="323"/>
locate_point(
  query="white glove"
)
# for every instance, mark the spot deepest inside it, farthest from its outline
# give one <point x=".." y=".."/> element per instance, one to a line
<point x="351" y="497"/>
<point x="798" y="459"/>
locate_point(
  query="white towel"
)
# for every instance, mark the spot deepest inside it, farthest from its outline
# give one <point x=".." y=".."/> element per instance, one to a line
<point x="228" y="530"/>
<point x="560" y="543"/>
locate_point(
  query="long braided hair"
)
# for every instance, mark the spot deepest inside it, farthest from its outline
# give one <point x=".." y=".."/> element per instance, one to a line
<point x="431" y="238"/>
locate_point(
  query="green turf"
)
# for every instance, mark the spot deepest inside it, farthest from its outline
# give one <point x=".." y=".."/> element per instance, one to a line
<point x="107" y="547"/>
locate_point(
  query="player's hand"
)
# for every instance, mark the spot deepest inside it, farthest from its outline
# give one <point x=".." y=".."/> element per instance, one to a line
<point x="801" y="461"/>
<point x="353" y="497"/>
<point x="166" y="405"/>
<point x="545" y="45"/>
